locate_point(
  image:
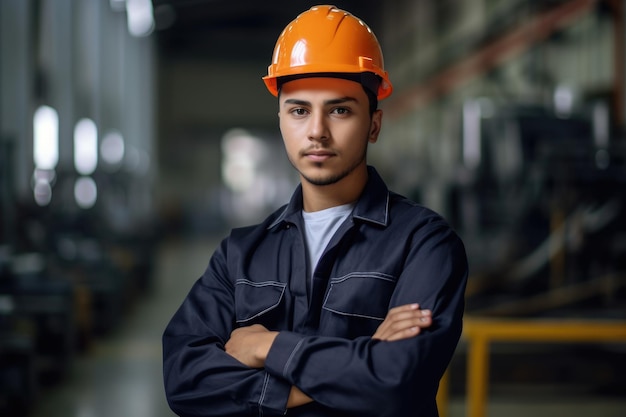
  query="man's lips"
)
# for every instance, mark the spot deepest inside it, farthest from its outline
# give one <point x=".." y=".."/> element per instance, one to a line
<point x="319" y="155"/>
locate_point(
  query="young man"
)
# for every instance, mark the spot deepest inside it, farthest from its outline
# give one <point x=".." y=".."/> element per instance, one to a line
<point x="347" y="301"/>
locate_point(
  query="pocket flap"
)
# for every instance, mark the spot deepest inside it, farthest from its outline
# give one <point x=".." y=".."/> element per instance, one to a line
<point x="361" y="294"/>
<point x="254" y="299"/>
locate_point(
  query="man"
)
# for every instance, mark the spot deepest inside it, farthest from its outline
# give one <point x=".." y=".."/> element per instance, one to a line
<point x="347" y="301"/>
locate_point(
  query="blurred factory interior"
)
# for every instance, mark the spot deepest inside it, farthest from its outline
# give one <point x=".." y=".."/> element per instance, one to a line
<point x="135" y="133"/>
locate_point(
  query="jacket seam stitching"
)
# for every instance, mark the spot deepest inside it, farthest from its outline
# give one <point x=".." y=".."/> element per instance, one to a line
<point x="262" y="397"/>
<point x="291" y="356"/>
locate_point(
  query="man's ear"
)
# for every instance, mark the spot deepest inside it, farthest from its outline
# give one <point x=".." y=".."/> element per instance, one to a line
<point x="375" y="125"/>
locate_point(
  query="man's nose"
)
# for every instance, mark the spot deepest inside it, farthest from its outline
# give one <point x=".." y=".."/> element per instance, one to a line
<point x="318" y="128"/>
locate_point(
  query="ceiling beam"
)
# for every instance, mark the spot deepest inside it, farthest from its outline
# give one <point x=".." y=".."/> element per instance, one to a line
<point x="506" y="47"/>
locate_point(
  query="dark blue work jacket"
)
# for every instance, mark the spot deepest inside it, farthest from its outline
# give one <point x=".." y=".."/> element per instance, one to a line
<point x="388" y="253"/>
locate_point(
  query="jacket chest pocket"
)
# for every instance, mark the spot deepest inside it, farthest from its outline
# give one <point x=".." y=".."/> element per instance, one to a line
<point x="255" y="302"/>
<point x="360" y="301"/>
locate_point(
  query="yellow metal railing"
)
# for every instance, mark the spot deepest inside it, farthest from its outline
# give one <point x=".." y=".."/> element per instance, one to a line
<point x="479" y="333"/>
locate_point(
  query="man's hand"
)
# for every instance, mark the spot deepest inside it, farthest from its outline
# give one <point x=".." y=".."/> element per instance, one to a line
<point x="250" y="345"/>
<point x="403" y="322"/>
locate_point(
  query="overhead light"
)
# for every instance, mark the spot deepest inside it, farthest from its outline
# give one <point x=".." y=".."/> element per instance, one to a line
<point x="46" y="138"/>
<point x="112" y="147"/>
<point x="140" y="17"/>
<point x="85" y="146"/>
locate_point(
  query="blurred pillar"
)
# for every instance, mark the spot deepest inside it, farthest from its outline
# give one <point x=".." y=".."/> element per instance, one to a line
<point x="57" y="67"/>
<point x="138" y="108"/>
<point x="112" y="40"/>
<point x="88" y="60"/>
<point x="16" y="87"/>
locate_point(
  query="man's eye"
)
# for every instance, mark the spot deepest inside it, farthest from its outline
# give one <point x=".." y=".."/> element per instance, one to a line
<point x="341" y="110"/>
<point x="298" y="112"/>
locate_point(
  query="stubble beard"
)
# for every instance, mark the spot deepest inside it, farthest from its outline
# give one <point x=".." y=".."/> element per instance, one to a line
<point x="331" y="179"/>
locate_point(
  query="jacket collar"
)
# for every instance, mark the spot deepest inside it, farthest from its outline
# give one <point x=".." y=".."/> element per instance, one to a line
<point x="372" y="206"/>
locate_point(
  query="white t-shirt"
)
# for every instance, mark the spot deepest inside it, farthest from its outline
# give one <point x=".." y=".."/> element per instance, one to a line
<point x="320" y="226"/>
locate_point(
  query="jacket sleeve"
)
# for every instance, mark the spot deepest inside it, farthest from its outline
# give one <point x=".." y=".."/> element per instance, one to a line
<point x="367" y="377"/>
<point x="200" y="378"/>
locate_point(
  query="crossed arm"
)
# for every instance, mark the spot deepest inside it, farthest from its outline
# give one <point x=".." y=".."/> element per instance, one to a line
<point x="250" y="345"/>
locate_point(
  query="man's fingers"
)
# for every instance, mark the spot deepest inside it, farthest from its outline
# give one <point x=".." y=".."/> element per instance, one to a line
<point x="420" y="315"/>
<point x="406" y="307"/>
<point x="403" y="334"/>
<point x="403" y="322"/>
<point x="399" y="315"/>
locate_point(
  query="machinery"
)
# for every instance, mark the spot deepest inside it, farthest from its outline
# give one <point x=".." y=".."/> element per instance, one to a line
<point x="540" y="209"/>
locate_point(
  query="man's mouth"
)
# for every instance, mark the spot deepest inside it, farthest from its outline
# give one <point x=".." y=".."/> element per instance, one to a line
<point x="318" y="155"/>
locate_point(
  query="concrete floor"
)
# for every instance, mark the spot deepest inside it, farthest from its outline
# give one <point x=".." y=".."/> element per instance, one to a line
<point x="120" y="375"/>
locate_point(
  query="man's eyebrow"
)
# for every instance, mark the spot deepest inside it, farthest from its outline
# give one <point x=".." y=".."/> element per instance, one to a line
<point x="334" y="101"/>
<point x="297" y="102"/>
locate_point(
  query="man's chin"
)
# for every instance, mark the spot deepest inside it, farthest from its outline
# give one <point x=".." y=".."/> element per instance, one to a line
<point x="320" y="180"/>
<point x="321" y="177"/>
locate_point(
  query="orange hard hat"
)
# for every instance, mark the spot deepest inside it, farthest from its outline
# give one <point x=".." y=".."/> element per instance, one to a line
<point x="327" y="40"/>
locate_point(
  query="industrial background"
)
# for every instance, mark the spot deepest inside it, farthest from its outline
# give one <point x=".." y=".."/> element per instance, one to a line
<point x="135" y="133"/>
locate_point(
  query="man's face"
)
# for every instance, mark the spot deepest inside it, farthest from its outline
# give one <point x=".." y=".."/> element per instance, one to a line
<point x="326" y="127"/>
